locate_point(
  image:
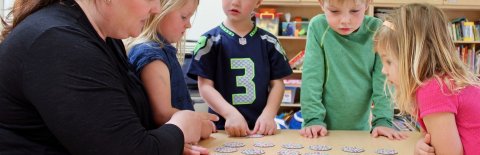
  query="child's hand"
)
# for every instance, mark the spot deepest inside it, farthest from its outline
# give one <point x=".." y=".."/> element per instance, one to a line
<point x="389" y="133"/>
<point x="194" y="150"/>
<point x="265" y="125"/>
<point x="208" y="127"/>
<point x="423" y="146"/>
<point x="236" y="126"/>
<point x="314" y="131"/>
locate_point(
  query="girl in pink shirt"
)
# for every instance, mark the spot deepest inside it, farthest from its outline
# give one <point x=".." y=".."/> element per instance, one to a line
<point x="430" y="80"/>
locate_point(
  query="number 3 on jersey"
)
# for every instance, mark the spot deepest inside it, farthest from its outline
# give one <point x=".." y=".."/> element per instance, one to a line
<point x="245" y="81"/>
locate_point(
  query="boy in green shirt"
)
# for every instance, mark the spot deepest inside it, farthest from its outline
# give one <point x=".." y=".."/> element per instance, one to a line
<point x="342" y="75"/>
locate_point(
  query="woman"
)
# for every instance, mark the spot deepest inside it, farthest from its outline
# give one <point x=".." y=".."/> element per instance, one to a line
<point x="67" y="88"/>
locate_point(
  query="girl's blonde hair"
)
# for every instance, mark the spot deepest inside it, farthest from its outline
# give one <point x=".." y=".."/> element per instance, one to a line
<point x="150" y="33"/>
<point x="417" y="36"/>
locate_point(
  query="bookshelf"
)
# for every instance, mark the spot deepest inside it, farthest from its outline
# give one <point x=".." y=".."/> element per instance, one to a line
<point x="295" y="105"/>
<point x="309" y="8"/>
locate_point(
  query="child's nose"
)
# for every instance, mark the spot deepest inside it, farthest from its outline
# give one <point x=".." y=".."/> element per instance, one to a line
<point x="236" y="2"/>
<point x="345" y="19"/>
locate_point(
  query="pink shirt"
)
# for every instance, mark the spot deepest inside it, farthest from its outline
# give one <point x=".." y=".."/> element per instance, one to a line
<point x="464" y="104"/>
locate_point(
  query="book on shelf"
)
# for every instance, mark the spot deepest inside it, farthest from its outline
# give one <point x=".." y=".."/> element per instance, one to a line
<point x="461" y="29"/>
<point x="477" y="63"/>
<point x="470" y="57"/>
<point x="297" y="61"/>
<point x="476" y="30"/>
<point x="291" y="93"/>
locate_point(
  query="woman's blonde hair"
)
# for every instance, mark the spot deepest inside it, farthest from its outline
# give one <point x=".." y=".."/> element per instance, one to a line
<point x="417" y="36"/>
<point x="150" y="33"/>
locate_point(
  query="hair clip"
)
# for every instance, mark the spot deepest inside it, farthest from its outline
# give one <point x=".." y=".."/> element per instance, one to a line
<point x="389" y="25"/>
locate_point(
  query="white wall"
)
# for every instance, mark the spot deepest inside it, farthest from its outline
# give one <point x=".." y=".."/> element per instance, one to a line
<point x="209" y="15"/>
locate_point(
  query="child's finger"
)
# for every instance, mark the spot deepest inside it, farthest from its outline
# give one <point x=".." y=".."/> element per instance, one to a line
<point x="256" y="128"/>
<point x="271" y="131"/>
<point x="245" y="130"/>
<point x="302" y="132"/>
<point x="230" y="131"/>
<point x="262" y="128"/>
<point x="427" y="138"/>
<point x="399" y="136"/>
<point x="323" y="132"/>
<point x="199" y="149"/>
<point x="242" y="132"/>
<point x="389" y="135"/>
<point x="308" y="132"/>
<point x="234" y="132"/>
<point x="374" y="133"/>
<point x="188" y="150"/>
<point x="214" y="127"/>
<point x="316" y="132"/>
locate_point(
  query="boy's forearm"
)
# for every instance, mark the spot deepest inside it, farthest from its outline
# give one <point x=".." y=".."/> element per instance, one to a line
<point x="216" y="101"/>
<point x="274" y="98"/>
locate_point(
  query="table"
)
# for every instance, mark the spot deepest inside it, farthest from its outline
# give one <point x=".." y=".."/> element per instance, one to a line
<point x="336" y="139"/>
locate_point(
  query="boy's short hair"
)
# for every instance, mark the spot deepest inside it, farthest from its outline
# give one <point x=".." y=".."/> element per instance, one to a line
<point x="343" y="1"/>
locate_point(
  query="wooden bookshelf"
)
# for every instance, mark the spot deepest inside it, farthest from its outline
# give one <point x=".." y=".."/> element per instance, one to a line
<point x="291" y="38"/>
<point x="295" y="105"/>
<point x="297" y="71"/>
<point x="466" y="42"/>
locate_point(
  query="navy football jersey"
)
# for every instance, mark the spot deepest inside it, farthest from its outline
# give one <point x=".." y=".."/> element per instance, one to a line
<point x="240" y="67"/>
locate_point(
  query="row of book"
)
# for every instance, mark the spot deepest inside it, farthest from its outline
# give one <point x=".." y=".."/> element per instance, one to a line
<point x="461" y="29"/>
<point x="470" y="55"/>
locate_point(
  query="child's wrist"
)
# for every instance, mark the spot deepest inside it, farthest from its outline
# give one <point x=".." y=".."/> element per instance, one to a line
<point x="268" y="115"/>
<point x="231" y="114"/>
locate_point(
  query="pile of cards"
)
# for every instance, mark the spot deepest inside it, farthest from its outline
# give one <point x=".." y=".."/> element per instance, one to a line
<point x="289" y="152"/>
<point x="386" y="151"/>
<point x="225" y="149"/>
<point x="234" y="144"/>
<point x="253" y="151"/>
<point x="320" y="148"/>
<point x="352" y="149"/>
<point x="292" y="146"/>
<point x="263" y="144"/>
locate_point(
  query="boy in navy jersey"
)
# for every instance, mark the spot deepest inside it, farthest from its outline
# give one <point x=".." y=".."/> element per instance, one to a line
<point x="239" y="69"/>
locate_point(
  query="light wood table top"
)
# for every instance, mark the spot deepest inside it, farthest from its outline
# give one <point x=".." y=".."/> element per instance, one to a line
<point x="336" y="139"/>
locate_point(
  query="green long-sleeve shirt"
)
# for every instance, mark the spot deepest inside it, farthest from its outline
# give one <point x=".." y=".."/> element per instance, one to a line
<point x="342" y="78"/>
